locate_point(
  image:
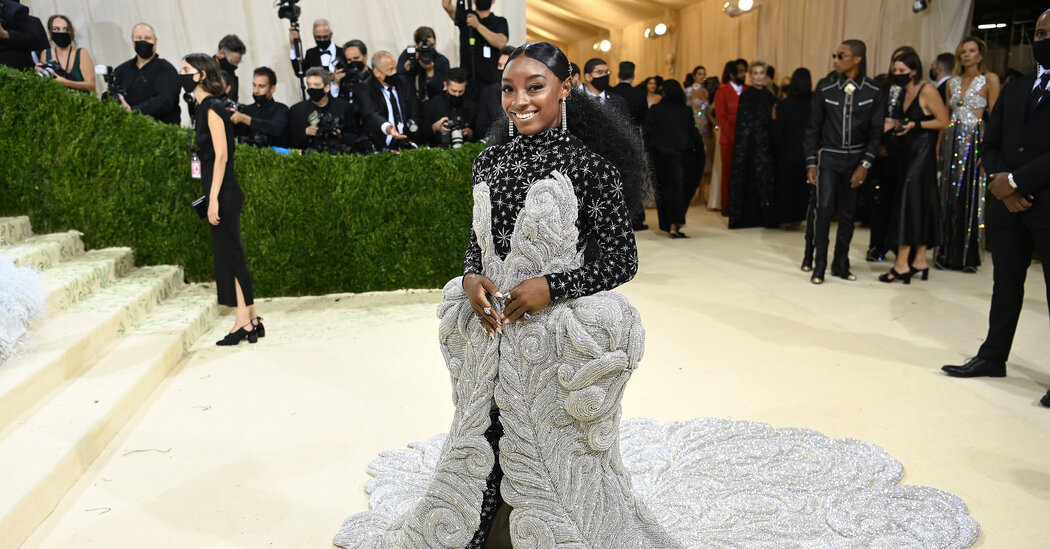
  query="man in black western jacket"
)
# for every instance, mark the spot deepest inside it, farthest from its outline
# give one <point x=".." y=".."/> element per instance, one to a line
<point x="845" y="128"/>
<point x="1016" y="156"/>
<point x="389" y="110"/>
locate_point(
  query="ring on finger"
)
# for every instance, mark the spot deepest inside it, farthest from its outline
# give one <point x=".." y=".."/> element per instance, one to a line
<point x="527" y="316"/>
<point x="488" y="310"/>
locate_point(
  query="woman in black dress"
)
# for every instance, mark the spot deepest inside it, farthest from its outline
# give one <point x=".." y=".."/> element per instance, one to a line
<point x="674" y="144"/>
<point x="915" y="221"/>
<point x="751" y="187"/>
<point x="791" y="115"/>
<point x="215" y="148"/>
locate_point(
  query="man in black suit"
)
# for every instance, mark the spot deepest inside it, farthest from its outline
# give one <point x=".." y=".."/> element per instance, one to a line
<point x="940" y="71"/>
<point x="635" y="97"/>
<point x="325" y="54"/>
<point x="389" y="110"/>
<point x="322" y="122"/>
<point x="490" y="105"/>
<point x="596" y="85"/>
<point x="1017" y="156"/>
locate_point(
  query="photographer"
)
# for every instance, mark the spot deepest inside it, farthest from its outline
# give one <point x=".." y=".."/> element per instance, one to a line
<point x="326" y="54"/>
<point x="322" y="122"/>
<point x="21" y="35"/>
<point x="490" y="106"/>
<point x="72" y="66"/>
<point x="481" y="36"/>
<point x="423" y="66"/>
<point x="388" y="107"/>
<point x="265" y="121"/>
<point x="448" y="119"/>
<point x="231" y="51"/>
<point x="150" y="84"/>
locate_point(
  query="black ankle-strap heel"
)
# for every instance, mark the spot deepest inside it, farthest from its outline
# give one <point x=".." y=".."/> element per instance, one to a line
<point x="240" y="335"/>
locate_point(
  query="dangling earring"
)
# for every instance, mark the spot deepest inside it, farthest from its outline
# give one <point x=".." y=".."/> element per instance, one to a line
<point x="564" y="116"/>
<point x="510" y="128"/>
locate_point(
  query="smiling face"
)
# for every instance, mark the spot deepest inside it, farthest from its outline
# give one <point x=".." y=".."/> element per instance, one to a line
<point x="532" y="95"/>
<point x="700" y="75"/>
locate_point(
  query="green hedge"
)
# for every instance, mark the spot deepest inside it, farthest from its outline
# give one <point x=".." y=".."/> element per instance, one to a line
<point x="312" y="224"/>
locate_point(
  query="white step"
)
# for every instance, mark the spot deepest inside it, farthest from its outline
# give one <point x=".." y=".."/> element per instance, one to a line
<point x="73" y="281"/>
<point x="68" y="433"/>
<point x="64" y="344"/>
<point x="14" y="230"/>
<point x="42" y="252"/>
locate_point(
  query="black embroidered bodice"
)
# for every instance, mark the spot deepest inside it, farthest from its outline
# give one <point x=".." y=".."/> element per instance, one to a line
<point x="603" y="219"/>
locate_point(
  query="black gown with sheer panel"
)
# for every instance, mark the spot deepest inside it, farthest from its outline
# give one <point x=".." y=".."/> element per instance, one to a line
<point x="916" y="216"/>
<point x="227" y="250"/>
<point x="751" y="191"/>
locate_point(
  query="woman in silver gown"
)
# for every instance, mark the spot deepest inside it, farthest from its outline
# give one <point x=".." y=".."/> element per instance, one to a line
<point x="971" y="93"/>
<point x="538" y="349"/>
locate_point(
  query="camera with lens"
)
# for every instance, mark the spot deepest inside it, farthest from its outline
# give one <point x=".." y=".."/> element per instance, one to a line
<point x="51" y="69"/>
<point x="420" y="55"/>
<point x="232" y="104"/>
<point x="113" y="89"/>
<point x="453" y="137"/>
<point x="355" y="73"/>
<point x="288" y="9"/>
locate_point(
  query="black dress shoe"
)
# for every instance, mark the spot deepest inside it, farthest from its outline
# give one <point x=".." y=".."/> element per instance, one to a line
<point x="977" y="367"/>
<point x="844" y="274"/>
<point x="1046" y="400"/>
<point x="240" y="335"/>
<point x="875" y="255"/>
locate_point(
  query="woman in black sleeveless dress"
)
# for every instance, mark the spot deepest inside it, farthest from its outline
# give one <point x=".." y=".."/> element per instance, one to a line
<point x="215" y="148"/>
<point x="915" y="221"/>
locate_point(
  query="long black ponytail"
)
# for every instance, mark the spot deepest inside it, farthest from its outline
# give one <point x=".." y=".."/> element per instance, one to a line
<point x="599" y="126"/>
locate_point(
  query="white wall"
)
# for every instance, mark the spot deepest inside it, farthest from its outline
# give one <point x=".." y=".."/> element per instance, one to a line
<point x="186" y="26"/>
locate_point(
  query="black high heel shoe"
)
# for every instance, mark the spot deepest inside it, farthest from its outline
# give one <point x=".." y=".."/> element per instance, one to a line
<point x="259" y="328"/>
<point x="905" y="278"/>
<point x="240" y="335"/>
<point x="925" y="273"/>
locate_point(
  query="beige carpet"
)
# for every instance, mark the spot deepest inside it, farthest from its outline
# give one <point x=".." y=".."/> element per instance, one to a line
<point x="266" y="445"/>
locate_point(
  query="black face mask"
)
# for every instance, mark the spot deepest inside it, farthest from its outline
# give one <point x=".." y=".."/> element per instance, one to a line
<point x="225" y="65"/>
<point x="62" y="39"/>
<point x="601" y="83"/>
<point x="1041" y="52"/>
<point x="483" y="5"/>
<point x="391" y="80"/>
<point x="144" y="49"/>
<point x="259" y="99"/>
<point x="933" y="76"/>
<point x="454" y="101"/>
<point x="739" y="80"/>
<point x="316" y="94"/>
<point x="324" y="44"/>
<point x="187" y="82"/>
<point x="901" y="79"/>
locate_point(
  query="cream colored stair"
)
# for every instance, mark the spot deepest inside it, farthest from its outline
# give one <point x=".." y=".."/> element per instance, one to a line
<point x="112" y="333"/>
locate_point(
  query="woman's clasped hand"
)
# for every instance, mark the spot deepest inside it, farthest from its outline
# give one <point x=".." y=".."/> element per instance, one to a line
<point x="519" y="304"/>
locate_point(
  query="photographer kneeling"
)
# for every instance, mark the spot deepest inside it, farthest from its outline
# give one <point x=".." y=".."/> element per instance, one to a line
<point x="322" y="122"/>
<point x="448" y="119"/>
<point x="265" y="121"/>
<point x="422" y="66"/>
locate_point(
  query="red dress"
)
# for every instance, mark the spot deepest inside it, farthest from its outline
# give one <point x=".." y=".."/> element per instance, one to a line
<point x="726" y="103"/>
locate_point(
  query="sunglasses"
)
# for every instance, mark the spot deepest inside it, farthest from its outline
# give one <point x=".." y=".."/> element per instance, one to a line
<point x="840" y="56"/>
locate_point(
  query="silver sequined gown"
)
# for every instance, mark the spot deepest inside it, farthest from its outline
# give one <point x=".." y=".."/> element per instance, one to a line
<point x="962" y="188"/>
<point x="557" y="381"/>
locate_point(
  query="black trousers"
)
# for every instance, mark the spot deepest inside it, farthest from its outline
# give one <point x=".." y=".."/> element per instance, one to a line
<point x="881" y="188"/>
<point x="834" y="194"/>
<point x="1011" y="256"/>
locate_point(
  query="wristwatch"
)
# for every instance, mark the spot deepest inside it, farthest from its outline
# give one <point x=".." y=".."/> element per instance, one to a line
<point x="1010" y="180"/>
<point x="866" y="164"/>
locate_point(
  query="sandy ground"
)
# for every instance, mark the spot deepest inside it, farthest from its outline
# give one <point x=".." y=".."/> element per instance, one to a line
<point x="266" y="445"/>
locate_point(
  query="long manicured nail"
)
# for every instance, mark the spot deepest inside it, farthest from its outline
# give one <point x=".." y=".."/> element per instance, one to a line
<point x="499" y="295"/>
